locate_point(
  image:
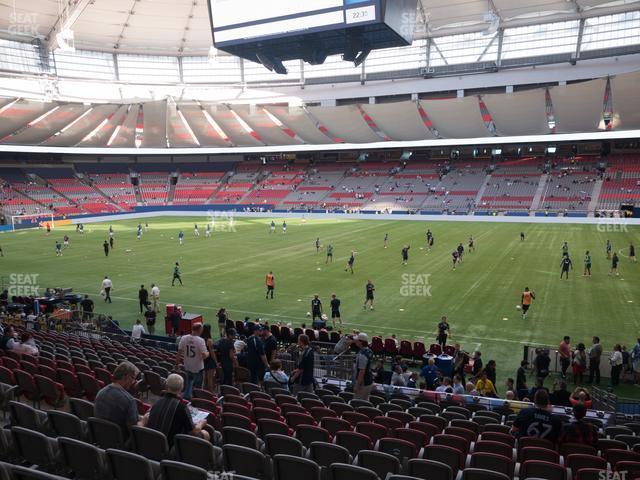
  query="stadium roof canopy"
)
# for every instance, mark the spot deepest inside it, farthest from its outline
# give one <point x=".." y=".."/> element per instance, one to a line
<point x="182" y="26"/>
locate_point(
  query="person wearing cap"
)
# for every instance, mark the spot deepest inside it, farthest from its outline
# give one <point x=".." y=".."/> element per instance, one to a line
<point x="521" y="379"/>
<point x="192" y="351"/>
<point x="579" y="431"/>
<point x="362" y="376"/>
<point x="227" y="356"/>
<point x="537" y="421"/>
<point x="256" y="357"/>
<point x="302" y="377"/>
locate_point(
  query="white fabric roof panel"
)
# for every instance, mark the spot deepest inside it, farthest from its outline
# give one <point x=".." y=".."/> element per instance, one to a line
<point x="456" y="117"/>
<point x="625" y="90"/>
<point x="230" y="125"/>
<point x="269" y="132"/>
<point x="126" y="134"/>
<point x="400" y="121"/>
<point x="578" y="107"/>
<point x="84" y="126"/>
<point x="20" y="113"/>
<point x="519" y="113"/>
<point x="345" y="122"/>
<point x="297" y="120"/>
<point x="154" y="124"/>
<point x="177" y="133"/>
<point x="101" y="137"/>
<point x="204" y="132"/>
<point x="48" y="126"/>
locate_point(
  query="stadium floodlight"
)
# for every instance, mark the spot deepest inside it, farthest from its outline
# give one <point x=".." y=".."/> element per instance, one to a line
<point x="65" y="40"/>
<point x="272" y="64"/>
<point x="552" y="149"/>
<point x="496" y="151"/>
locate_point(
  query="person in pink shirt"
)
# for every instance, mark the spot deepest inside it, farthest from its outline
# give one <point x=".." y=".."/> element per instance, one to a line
<point x="564" y="352"/>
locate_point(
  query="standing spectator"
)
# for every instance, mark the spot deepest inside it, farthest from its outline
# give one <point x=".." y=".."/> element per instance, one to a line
<point x="115" y="404"/>
<point x="150" y="318"/>
<point x="210" y="363"/>
<point x="541" y="363"/>
<point x="107" y="285"/>
<point x="564" y="352"/>
<point x="227" y="356"/>
<point x="256" y="357"/>
<point x="537" y="421"/>
<point x="579" y="431"/>
<point x="192" y="351"/>
<point x="302" y="377"/>
<point x="595" y="352"/>
<point x="222" y="321"/>
<point x="458" y="386"/>
<point x="171" y="417"/>
<point x="579" y="364"/>
<point x="143" y="298"/>
<point x="276" y="374"/>
<point x="270" y="344"/>
<point x="635" y="361"/>
<point x="616" y="364"/>
<point x="399" y="378"/>
<point x="362" y="377"/>
<point x="490" y="370"/>
<point x="444" y="330"/>
<point x="87" y="308"/>
<point x="461" y="359"/>
<point x="521" y="380"/>
<point x="430" y="374"/>
<point x="137" y="331"/>
<point x="155" y="297"/>
<point x="477" y="364"/>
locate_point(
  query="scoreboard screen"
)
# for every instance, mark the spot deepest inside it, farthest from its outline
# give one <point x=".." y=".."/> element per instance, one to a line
<point x="245" y="21"/>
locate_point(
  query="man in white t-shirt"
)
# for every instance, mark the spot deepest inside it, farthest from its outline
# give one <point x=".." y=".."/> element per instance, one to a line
<point x="137" y="331"/>
<point x="192" y="351"/>
<point x="106" y="289"/>
<point x="155" y="297"/>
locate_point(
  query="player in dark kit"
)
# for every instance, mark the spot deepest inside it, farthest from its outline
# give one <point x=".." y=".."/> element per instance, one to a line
<point x="176" y="274"/>
<point x="614" y="264"/>
<point x="335" y="310"/>
<point x="329" y="254"/>
<point x="352" y="259"/>
<point x="405" y="254"/>
<point x="632" y="252"/>
<point x="454" y="254"/>
<point x="429" y="239"/>
<point x="566" y="265"/>
<point x="444" y="330"/>
<point x="105" y="245"/>
<point x="111" y="242"/>
<point x="316" y="308"/>
<point x="460" y="253"/>
<point x="608" y="250"/>
<point x="318" y="245"/>
<point x="369" y="288"/>
<point x="386" y="240"/>
<point x="472" y="245"/>
<point x="522" y="236"/>
<point x="587" y="265"/>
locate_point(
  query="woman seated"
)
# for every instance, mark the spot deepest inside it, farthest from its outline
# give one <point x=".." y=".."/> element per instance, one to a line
<point x="276" y="374"/>
<point x="581" y="395"/>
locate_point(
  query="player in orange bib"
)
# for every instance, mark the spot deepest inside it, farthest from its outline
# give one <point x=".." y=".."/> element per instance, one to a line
<point x="527" y="299"/>
<point x="270" y="281"/>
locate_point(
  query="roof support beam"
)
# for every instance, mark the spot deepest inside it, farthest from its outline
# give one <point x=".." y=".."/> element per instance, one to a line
<point x="71" y="11"/>
<point x="486" y="49"/>
<point x="579" y="41"/>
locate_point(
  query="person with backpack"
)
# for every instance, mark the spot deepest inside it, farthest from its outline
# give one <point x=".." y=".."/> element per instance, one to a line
<point x="362" y="376"/>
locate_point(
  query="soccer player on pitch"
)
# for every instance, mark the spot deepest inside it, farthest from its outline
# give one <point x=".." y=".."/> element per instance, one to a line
<point x="111" y="240"/>
<point x="405" y="255"/>
<point x="352" y="259"/>
<point x="454" y="254"/>
<point x="139" y="234"/>
<point x="105" y="245"/>
<point x="472" y="245"/>
<point x="614" y="265"/>
<point x="329" y="254"/>
<point x="522" y="236"/>
<point x="317" y="245"/>
<point x="196" y="230"/>
<point x="460" y="252"/>
<point x="335" y="310"/>
<point x="273" y="227"/>
<point x="566" y="265"/>
<point x="565" y="249"/>
<point x="284" y="227"/>
<point x="632" y="252"/>
<point x="270" y="282"/>
<point x="176" y="275"/>
<point x="587" y="265"/>
<point x="386" y="240"/>
<point x="316" y="309"/>
<point x="207" y="231"/>
<point x="181" y="238"/>
<point x="58" y="249"/>
<point x="609" y="250"/>
<point x="369" y="289"/>
<point x="527" y="299"/>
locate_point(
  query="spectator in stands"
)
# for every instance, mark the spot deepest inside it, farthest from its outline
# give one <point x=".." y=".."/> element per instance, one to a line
<point x="616" y="364"/>
<point x="227" y="356"/>
<point x="560" y="395"/>
<point x="270" y="344"/>
<point x="541" y="363"/>
<point x="399" y="377"/>
<point x="256" y="357"/>
<point x="445" y="386"/>
<point x="579" y="431"/>
<point x="362" y="376"/>
<point x="537" y="421"/>
<point x="509" y="384"/>
<point x="470" y="389"/>
<point x="137" y="331"/>
<point x="302" y="377"/>
<point x="413" y="380"/>
<point x="477" y="364"/>
<point x="27" y="345"/>
<point x="564" y="352"/>
<point x="378" y="372"/>
<point x="87" y="308"/>
<point x="635" y="361"/>
<point x="538" y="386"/>
<point x="8" y="340"/>
<point x="115" y="404"/>
<point x="430" y="374"/>
<point x="457" y="386"/>
<point x="521" y="380"/>
<point x="485" y="387"/>
<point x="276" y="374"/>
<point x="192" y="352"/>
<point x="595" y="352"/>
<point x="150" y="319"/>
<point x="461" y="359"/>
<point x="171" y="417"/>
<point x="222" y="321"/>
<point x="490" y="370"/>
<point x="579" y="363"/>
<point x="211" y="362"/>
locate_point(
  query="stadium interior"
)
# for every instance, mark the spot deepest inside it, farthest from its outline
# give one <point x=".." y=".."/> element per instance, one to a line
<point x="507" y="114"/>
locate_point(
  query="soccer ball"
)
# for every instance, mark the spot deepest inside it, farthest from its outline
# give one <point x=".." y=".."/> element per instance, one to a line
<point x="308" y="314"/>
<point x="324" y="317"/>
<point x="518" y="307"/>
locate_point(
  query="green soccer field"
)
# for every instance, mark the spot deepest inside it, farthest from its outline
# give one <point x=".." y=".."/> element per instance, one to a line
<point x="480" y="296"/>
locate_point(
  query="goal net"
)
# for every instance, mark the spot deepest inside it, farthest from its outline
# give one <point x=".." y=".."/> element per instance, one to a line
<point x="36" y="220"/>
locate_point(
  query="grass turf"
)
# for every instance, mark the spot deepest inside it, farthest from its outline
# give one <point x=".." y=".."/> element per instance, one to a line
<point x="480" y="296"/>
